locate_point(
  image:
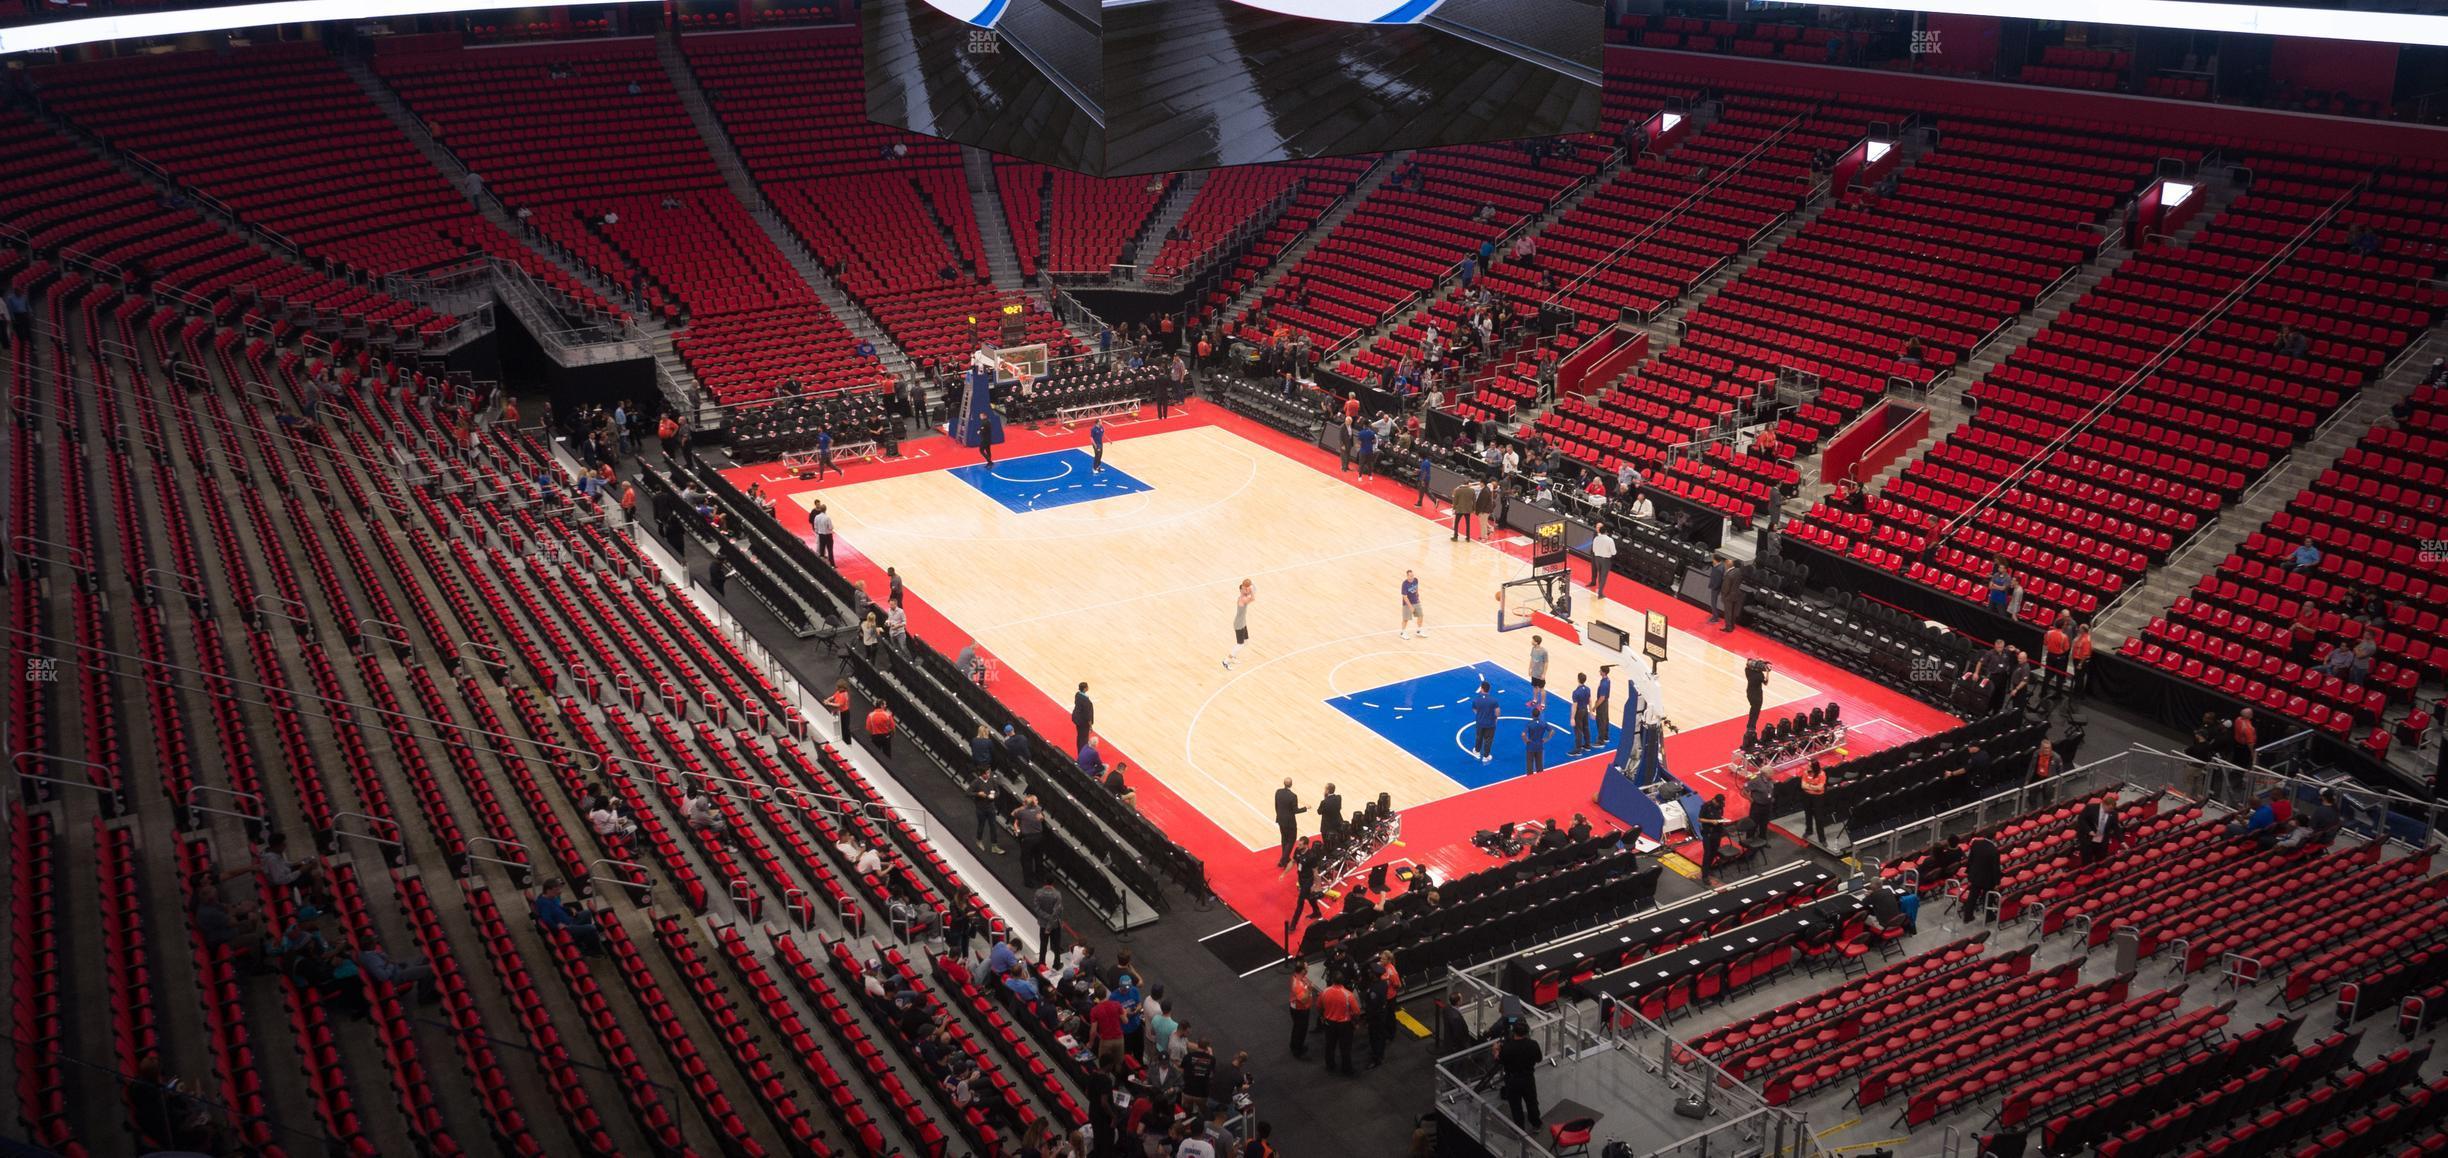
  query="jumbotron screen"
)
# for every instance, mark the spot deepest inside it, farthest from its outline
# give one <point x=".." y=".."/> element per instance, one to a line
<point x="1159" y="86"/>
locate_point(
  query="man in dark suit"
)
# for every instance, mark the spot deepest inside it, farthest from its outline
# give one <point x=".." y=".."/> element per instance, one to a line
<point x="1981" y="873"/>
<point x="1287" y="824"/>
<point x="1083" y="716"/>
<point x="2097" y="828"/>
<point x="1330" y="813"/>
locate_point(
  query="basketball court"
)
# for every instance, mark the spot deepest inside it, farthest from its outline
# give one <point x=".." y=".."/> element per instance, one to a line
<point x="1125" y="577"/>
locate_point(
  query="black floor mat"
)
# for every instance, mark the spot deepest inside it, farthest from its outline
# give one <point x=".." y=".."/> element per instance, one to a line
<point x="1243" y="949"/>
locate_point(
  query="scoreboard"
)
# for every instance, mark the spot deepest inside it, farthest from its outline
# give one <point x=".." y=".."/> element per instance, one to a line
<point x="1547" y="548"/>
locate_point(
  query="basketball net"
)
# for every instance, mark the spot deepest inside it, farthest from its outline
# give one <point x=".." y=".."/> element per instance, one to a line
<point x="1018" y="373"/>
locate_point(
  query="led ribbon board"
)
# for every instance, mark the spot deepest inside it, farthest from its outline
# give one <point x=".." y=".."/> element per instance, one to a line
<point x="982" y="13"/>
<point x="1348" y="11"/>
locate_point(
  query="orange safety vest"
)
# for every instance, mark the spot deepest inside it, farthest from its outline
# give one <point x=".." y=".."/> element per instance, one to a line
<point x="667" y="429"/>
<point x="629" y="497"/>
<point x="1393" y="982"/>
<point x="1814" y="785"/>
<point x="879" y="722"/>
<point x="1337" y="1005"/>
<point x="1304" y="992"/>
<point x="2081" y="649"/>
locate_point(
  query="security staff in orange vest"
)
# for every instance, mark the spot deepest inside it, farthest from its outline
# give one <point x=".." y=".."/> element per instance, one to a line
<point x="1304" y="1001"/>
<point x="1336" y="1008"/>
<point x="1814" y="802"/>
<point x="880" y="730"/>
<point x="1381" y="997"/>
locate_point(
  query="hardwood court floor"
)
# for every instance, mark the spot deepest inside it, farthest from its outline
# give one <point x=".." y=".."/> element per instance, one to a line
<point x="1134" y="594"/>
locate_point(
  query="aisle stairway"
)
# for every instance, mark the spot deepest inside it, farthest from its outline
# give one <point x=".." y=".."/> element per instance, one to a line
<point x="1168" y="214"/>
<point x="994" y="229"/>
<point x="2240" y="519"/>
<point x="1319" y="230"/>
<point x="735" y="175"/>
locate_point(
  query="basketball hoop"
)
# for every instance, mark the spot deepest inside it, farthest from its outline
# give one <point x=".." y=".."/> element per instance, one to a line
<point x="1018" y="373"/>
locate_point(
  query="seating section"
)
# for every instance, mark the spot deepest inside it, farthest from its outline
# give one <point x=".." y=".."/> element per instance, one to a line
<point x="1525" y="902"/>
<point x="1923" y="777"/>
<point x="591" y="139"/>
<point x="1760" y="154"/>
<point x="1244" y="197"/>
<point x="886" y="213"/>
<point x="2112" y="468"/>
<point x="198" y="116"/>
<point x="1736" y="37"/>
<point x="613" y="668"/>
<point x="2073" y="66"/>
<point x="1412" y="232"/>
<point x="65" y="198"/>
<point x="1070" y="223"/>
<point x="2285" y="638"/>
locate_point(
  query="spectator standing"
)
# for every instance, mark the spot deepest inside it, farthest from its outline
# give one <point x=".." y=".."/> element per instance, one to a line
<point x="1602" y="561"/>
<point x="1029" y="824"/>
<point x="1518" y="1058"/>
<point x="820" y="521"/>
<point x="1982" y="873"/>
<point x="1737" y="573"/>
<point x="1715" y="580"/>
<point x="1047" y="903"/>
<point x="1759" y="793"/>
<point x="986" y="799"/>
<point x="1465" y="503"/>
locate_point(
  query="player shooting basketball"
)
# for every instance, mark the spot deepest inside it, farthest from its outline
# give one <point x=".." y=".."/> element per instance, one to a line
<point x="1241" y="605"/>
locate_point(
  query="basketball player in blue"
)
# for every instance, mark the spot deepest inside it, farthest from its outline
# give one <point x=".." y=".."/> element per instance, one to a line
<point x="1483" y="722"/>
<point x="1411" y="606"/>
<point x="1581" y="715"/>
<point x="1096" y="443"/>
<point x="824" y="452"/>
<point x="1534" y="736"/>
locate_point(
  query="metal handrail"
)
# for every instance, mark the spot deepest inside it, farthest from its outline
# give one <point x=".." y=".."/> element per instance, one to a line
<point x="76" y="558"/>
<point x="1690" y="200"/>
<point x="187" y="585"/>
<point x="646" y="880"/>
<point x="522" y="872"/>
<point x="395" y="851"/>
<point x="114" y="800"/>
<point x="2151" y="367"/>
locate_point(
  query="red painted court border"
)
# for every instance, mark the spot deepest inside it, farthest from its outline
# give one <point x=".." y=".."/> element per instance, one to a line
<point x="1437" y="834"/>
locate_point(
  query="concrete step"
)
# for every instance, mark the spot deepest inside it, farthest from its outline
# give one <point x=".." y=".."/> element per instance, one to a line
<point x="710" y="130"/>
<point x="994" y="228"/>
<point x="1318" y="231"/>
<point x="2211" y="545"/>
<point x="1168" y="214"/>
<point x="1534" y="226"/>
<point x="486" y="202"/>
